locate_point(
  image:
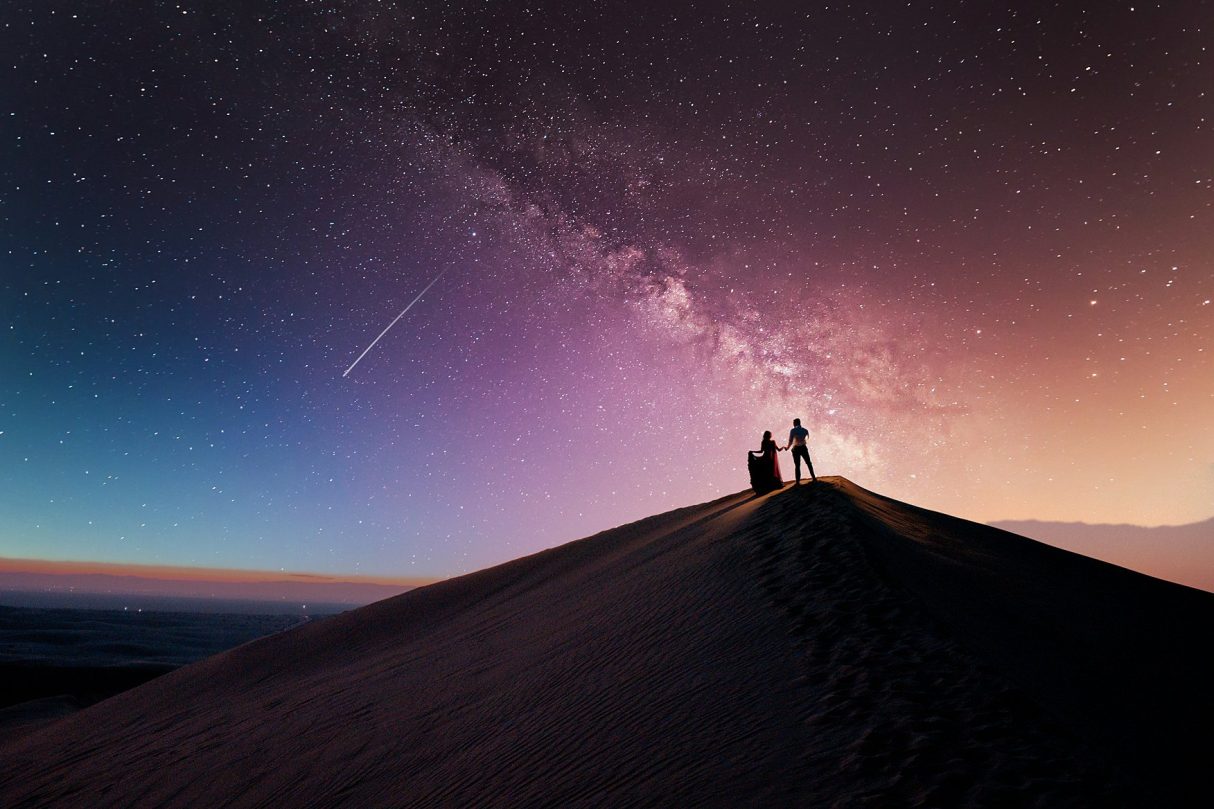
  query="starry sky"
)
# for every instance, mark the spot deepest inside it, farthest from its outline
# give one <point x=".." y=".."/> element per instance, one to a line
<point x="969" y="244"/>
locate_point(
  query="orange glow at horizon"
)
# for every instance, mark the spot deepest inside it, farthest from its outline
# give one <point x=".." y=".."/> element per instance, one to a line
<point x="197" y="574"/>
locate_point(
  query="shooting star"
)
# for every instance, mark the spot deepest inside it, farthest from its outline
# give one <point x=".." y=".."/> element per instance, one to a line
<point x="393" y="323"/>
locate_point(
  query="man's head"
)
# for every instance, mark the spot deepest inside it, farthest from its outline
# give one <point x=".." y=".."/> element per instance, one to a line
<point x="796" y="422"/>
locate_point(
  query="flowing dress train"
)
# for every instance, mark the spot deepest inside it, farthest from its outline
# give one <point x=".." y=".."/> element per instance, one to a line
<point x="764" y="467"/>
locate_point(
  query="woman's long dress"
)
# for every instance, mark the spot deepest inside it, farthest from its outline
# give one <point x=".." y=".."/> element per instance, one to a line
<point x="764" y="468"/>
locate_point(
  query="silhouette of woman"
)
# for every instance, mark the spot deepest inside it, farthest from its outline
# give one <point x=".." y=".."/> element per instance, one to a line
<point x="764" y="466"/>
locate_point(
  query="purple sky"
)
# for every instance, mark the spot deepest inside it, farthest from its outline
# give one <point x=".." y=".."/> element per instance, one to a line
<point x="968" y="244"/>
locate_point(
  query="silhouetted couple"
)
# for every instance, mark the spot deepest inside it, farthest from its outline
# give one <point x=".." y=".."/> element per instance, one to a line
<point x="764" y="465"/>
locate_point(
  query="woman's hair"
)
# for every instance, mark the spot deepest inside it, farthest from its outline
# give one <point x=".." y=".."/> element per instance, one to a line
<point x="766" y="434"/>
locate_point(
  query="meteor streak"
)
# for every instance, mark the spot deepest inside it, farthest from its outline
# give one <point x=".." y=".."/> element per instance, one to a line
<point x="393" y="323"/>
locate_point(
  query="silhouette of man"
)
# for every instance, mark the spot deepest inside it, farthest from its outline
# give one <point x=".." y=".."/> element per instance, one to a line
<point x="796" y="442"/>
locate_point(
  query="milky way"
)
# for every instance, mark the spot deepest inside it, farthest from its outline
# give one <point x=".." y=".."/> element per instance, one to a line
<point x="968" y="244"/>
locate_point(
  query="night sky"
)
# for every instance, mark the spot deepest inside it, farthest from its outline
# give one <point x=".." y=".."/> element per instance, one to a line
<point x="971" y="245"/>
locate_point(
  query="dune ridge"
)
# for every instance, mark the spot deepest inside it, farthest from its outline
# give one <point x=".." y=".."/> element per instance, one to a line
<point x="818" y="646"/>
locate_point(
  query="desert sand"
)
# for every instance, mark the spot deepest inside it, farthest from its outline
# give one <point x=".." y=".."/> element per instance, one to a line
<point x="818" y="646"/>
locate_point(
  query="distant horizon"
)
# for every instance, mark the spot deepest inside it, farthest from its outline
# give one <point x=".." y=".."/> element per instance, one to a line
<point x="87" y="571"/>
<point x="108" y="579"/>
<point x="1100" y="524"/>
<point x="195" y="572"/>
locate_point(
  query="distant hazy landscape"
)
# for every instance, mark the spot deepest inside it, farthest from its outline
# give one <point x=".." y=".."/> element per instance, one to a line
<point x="57" y="660"/>
<point x="39" y="583"/>
<point x="1180" y="553"/>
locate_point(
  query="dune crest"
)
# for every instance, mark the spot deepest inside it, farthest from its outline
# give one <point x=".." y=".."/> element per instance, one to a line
<point x="821" y="645"/>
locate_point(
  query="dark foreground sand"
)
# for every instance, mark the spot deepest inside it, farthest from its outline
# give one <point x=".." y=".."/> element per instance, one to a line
<point x="820" y="646"/>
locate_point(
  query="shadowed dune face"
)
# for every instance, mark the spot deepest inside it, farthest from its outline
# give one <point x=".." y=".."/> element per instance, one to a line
<point x="815" y="646"/>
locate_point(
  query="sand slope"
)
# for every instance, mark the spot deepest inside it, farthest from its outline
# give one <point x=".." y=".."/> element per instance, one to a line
<point x="819" y="646"/>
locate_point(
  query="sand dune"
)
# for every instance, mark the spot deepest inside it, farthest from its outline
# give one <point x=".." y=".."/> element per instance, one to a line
<point x="819" y="646"/>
